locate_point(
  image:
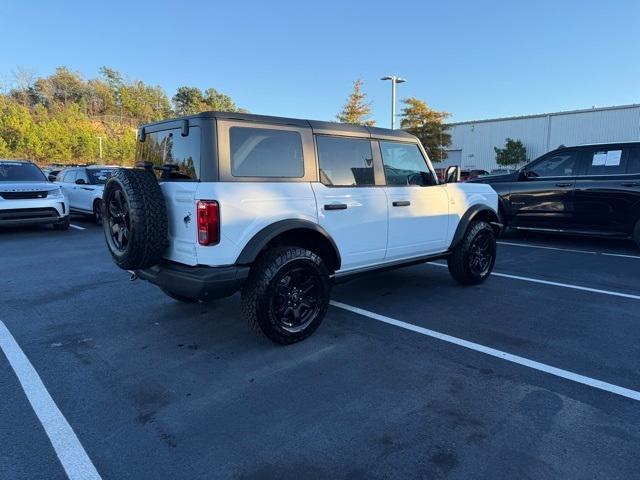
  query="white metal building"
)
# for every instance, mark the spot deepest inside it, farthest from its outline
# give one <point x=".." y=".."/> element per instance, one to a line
<point x="472" y="142"/>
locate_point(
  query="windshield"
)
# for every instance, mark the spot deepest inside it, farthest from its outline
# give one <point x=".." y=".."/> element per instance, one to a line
<point x="99" y="176"/>
<point x="20" y="172"/>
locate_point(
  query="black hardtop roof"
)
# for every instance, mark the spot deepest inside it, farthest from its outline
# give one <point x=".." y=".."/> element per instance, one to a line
<point x="316" y="125"/>
<point x="11" y="160"/>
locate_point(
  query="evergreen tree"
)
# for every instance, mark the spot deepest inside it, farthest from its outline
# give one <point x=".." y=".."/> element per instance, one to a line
<point x="356" y="110"/>
<point x="513" y="153"/>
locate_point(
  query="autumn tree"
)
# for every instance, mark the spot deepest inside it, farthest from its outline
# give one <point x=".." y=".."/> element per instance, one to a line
<point x="428" y="125"/>
<point x="357" y="109"/>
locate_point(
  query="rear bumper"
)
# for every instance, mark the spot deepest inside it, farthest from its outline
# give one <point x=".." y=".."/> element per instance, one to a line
<point x="199" y="282"/>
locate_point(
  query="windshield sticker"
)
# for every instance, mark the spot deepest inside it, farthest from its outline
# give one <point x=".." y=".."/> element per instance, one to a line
<point x="613" y="158"/>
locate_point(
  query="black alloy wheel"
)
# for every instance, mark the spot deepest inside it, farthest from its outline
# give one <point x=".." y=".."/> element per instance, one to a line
<point x="97" y="212"/>
<point x="296" y="303"/>
<point x="118" y="220"/>
<point x="481" y="253"/>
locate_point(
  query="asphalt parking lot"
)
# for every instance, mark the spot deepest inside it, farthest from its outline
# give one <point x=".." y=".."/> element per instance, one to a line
<point x="548" y="387"/>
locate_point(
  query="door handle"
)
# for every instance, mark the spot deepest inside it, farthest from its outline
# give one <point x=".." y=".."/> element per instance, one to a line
<point x="335" y="206"/>
<point x="401" y="203"/>
<point x="631" y="184"/>
<point x="563" y="184"/>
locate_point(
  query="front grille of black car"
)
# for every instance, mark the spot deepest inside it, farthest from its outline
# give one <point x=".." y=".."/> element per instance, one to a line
<point x="23" y="195"/>
<point x="28" y="213"/>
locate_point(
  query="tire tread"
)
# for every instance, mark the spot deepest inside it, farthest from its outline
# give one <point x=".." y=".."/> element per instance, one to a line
<point x="457" y="261"/>
<point x="148" y="216"/>
<point x="262" y="273"/>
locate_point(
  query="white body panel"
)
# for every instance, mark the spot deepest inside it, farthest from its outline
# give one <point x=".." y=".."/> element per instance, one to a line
<point x="462" y="196"/>
<point x="245" y="209"/>
<point x="420" y="228"/>
<point x="360" y="230"/>
<point x="181" y="201"/>
<point x="83" y="196"/>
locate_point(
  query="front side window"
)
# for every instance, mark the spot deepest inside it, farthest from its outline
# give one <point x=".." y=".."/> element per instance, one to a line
<point x="634" y="161"/>
<point x="405" y="165"/>
<point x="605" y="162"/>
<point x="562" y="164"/>
<point x="70" y="176"/>
<point x="345" y="162"/>
<point x="82" y="174"/>
<point x="20" y="172"/>
<point x="169" y="147"/>
<point x="266" y="152"/>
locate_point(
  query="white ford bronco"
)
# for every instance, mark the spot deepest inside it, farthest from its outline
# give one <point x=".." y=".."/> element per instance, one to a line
<point x="281" y="209"/>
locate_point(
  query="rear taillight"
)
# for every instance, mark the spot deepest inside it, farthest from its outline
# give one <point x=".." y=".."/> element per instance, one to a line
<point x="208" y="222"/>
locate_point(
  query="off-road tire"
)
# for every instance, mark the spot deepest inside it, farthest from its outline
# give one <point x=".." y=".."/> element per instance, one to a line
<point x="147" y="219"/>
<point x="636" y="234"/>
<point x="97" y="212"/>
<point x="259" y="292"/>
<point x="62" y="224"/>
<point x="178" y="297"/>
<point x="460" y="260"/>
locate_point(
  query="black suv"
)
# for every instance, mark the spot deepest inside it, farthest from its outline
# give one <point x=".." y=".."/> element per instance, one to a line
<point x="589" y="189"/>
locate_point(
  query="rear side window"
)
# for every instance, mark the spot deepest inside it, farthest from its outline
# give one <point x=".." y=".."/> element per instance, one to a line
<point x="404" y="165"/>
<point x="266" y="152"/>
<point x="562" y="164"/>
<point x="169" y="147"/>
<point x="634" y="161"/>
<point x="605" y="162"/>
<point x="345" y="161"/>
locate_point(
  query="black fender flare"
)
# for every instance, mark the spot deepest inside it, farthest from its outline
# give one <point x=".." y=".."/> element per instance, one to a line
<point x="253" y="248"/>
<point x="468" y="217"/>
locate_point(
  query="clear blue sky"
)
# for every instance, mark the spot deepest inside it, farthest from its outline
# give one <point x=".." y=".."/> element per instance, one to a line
<point x="475" y="59"/>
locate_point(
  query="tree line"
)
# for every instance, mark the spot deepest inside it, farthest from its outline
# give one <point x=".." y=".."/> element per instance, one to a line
<point x="63" y="117"/>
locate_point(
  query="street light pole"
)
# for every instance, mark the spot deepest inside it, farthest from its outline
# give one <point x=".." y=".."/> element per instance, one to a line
<point x="100" y="140"/>
<point x="394" y="81"/>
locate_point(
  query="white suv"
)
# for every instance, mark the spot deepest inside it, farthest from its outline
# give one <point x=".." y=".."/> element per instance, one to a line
<point x="283" y="208"/>
<point x="28" y="198"/>
<point x="84" y="186"/>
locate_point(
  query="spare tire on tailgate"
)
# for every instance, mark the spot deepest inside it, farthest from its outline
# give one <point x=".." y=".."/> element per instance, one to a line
<point x="134" y="218"/>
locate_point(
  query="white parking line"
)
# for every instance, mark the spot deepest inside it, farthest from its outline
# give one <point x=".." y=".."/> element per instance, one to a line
<point x="542" y="367"/>
<point x="588" y="252"/>
<point x="77" y="227"/>
<point x="621" y="255"/>
<point x="558" y="284"/>
<point x="73" y="457"/>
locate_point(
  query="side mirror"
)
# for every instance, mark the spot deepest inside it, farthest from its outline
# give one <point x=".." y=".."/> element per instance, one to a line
<point x="80" y="181"/>
<point x="52" y="177"/>
<point x="452" y="174"/>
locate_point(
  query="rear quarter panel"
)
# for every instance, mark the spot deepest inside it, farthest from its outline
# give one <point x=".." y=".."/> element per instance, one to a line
<point x="248" y="207"/>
